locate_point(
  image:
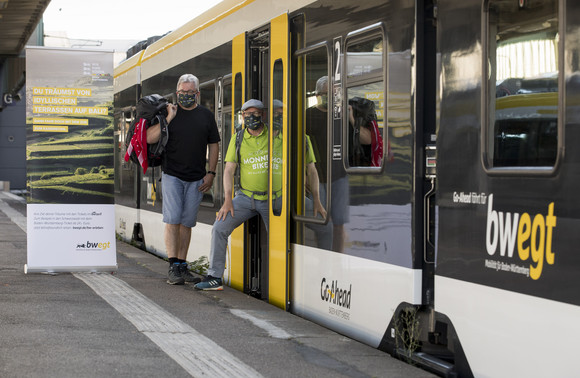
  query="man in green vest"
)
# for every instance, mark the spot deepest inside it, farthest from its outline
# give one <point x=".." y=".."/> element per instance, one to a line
<point x="252" y="196"/>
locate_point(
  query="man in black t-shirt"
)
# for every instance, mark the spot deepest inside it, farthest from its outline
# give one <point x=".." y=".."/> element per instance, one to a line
<point x="192" y="132"/>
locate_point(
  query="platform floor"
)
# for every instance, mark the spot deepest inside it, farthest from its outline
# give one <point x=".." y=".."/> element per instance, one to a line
<point x="132" y="323"/>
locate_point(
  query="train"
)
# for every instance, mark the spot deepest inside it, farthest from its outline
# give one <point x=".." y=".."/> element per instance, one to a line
<point x="454" y="249"/>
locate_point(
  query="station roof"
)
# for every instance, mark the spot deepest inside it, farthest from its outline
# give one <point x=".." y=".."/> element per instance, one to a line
<point x="18" y="19"/>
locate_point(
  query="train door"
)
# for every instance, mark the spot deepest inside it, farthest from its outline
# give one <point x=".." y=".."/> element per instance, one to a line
<point x="257" y="262"/>
<point x="258" y="86"/>
<point x="359" y="119"/>
<point x="278" y="114"/>
<point x="235" y="263"/>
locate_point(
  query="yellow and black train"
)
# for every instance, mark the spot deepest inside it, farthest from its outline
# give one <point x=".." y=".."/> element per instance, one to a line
<point x="450" y="235"/>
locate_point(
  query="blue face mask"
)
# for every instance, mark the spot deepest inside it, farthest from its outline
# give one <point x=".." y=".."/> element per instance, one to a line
<point x="253" y="122"/>
<point x="186" y="100"/>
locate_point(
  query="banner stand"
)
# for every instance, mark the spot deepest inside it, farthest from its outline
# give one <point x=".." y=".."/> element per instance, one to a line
<point x="70" y="160"/>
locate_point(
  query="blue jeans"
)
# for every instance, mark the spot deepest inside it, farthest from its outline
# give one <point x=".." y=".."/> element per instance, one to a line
<point x="181" y="200"/>
<point x="244" y="208"/>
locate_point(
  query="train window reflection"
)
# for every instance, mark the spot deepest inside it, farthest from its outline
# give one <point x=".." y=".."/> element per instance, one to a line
<point x="314" y="139"/>
<point x="366" y="105"/>
<point x="277" y="134"/>
<point x="365" y="58"/>
<point x="523" y="84"/>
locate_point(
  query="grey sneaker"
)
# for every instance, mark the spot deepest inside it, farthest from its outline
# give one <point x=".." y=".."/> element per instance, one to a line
<point x="210" y="283"/>
<point x="186" y="274"/>
<point x="174" y="275"/>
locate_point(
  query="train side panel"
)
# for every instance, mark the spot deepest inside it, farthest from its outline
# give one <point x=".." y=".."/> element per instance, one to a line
<point x="507" y="182"/>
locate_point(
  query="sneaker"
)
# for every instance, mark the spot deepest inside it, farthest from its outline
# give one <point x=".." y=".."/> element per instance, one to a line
<point x="210" y="283"/>
<point x="174" y="275"/>
<point x="186" y="274"/>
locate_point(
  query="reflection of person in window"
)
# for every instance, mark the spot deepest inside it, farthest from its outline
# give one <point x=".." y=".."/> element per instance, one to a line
<point x="313" y="182"/>
<point x="366" y="143"/>
<point x="277" y="150"/>
<point x="331" y="235"/>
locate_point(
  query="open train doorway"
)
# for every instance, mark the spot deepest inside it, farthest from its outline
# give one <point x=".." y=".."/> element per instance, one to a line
<point x="256" y="236"/>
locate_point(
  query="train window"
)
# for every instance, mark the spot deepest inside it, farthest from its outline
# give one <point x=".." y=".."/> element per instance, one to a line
<point x="277" y="136"/>
<point x="364" y="58"/>
<point x="365" y="62"/>
<point x="315" y="136"/>
<point x="127" y="117"/>
<point x="226" y="123"/>
<point x="523" y="83"/>
<point x="119" y="148"/>
<point x="207" y="99"/>
<point x="238" y="119"/>
<point x="207" y="96"/>
<point x="227" y="95"/>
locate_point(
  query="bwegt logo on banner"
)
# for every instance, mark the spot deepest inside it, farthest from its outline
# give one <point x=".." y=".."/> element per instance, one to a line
<point x="70" y="160"/>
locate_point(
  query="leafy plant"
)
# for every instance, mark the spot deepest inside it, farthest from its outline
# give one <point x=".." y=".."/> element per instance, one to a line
<point x="407" y="331"/>
<point x="200" y="266"/>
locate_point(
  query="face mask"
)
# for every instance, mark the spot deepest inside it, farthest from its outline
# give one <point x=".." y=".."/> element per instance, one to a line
<point x="278" y="122"/>
<point x="322" y="100"/>
<point x="253" y="122"/>
<point x="186" y="100"/>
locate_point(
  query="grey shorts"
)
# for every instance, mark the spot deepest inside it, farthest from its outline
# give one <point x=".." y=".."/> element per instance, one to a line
<point x="339" y="206"/>
<point x="181" y="200"/>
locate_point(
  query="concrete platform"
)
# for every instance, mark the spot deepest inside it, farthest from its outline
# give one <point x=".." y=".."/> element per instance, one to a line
<point x="134" y="324"/>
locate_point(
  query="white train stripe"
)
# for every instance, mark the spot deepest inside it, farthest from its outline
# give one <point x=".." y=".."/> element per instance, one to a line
<point x="272" y="330"/>
<point x="197" y="354"/>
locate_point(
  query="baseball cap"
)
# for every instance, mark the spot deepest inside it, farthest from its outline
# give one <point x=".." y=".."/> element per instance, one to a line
<point x="253" y="103"/>
<point x="278" y="104"/>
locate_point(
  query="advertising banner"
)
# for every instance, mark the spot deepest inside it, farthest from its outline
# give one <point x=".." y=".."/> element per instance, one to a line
<point x="70" y="162"/>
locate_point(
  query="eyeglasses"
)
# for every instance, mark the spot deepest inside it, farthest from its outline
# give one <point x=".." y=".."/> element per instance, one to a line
<point x="191" y="93"/>
<point x="255" y="114"/>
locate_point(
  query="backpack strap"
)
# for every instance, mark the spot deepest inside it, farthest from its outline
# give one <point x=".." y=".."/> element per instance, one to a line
<point x="239" y="138"/>
<point x="159" y="147"/>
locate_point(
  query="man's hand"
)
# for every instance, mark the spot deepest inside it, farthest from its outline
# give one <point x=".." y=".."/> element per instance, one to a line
<point x="227" y="207"/>
<point x="319" y="209"/>
<point x="171" y="112"/>
<point x="207" y="182"/>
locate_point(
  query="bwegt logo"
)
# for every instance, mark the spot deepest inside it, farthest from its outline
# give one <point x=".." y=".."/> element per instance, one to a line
<point x="94" y="245"/>
<point x="334" y="294"/>
<point x="533" y="237"/>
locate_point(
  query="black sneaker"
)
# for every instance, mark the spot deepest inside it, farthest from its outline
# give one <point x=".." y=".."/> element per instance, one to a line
<point x="186" y="274"/>
<point x="210" y="283"/>
<point x="174" y="275"/>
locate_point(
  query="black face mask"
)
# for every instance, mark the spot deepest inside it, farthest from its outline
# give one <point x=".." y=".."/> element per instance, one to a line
<point x="278" y="122"/>
<point x="186" y="100"/>
<point x="253" y="122"/>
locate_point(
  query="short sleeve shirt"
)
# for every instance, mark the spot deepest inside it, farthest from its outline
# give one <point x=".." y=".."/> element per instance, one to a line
<point x="253" y="162"/>
<point x="277" y="165"/>
<point x="189" y="134"/>
<point x="310" y="158"/>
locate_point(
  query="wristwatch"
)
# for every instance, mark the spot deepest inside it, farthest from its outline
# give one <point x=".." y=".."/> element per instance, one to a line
<point x="211" y="172"/>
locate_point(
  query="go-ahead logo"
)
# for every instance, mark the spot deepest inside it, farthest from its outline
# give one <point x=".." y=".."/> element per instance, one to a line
<point x="93" y="246"/>
<point x="334" y="294"/>
<point x="532" y="237"/>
